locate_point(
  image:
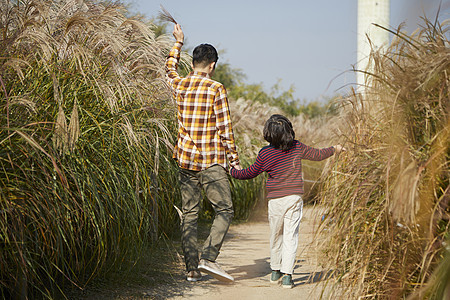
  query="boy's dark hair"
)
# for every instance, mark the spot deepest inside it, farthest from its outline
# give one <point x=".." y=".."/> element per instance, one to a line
<point x="279" y="133"/>
<point x="204" y="54"/>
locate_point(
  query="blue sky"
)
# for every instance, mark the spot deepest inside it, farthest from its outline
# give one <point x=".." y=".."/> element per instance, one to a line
<point x="310" y="45"/>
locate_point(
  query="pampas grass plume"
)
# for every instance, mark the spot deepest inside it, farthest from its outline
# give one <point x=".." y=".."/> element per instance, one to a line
<point x="164" y="15"/>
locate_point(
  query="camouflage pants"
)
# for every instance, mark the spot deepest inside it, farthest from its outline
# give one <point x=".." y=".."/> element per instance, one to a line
<point x="215" y="184"/>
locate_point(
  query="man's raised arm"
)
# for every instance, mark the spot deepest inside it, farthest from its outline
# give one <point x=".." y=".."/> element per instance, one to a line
<point x="174" y="55"/>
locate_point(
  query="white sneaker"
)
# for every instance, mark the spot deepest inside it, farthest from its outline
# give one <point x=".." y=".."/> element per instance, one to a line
<point x="213" y="269"/>
<point x="193" y="276"/>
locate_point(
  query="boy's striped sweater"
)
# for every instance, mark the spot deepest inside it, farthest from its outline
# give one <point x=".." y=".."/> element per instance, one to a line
<point x="283" y="167"/>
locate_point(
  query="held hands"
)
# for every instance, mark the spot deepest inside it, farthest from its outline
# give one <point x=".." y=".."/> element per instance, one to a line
<point x="237" y="167"/>
<point x="178" y="33"/>
<point x="338" y="149"/>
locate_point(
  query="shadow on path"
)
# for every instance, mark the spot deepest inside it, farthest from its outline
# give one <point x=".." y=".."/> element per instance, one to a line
<point x="260" y="268"/>
<point x="312" y="277"/>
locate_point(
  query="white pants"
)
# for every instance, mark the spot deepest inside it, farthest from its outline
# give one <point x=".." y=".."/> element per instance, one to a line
<point x="285" y="214"/>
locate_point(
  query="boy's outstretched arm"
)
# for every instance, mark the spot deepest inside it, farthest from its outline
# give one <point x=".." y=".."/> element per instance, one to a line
<point x="316" y="154"/>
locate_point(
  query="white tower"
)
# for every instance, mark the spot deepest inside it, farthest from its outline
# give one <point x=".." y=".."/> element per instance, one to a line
<point x="370" y="12"/>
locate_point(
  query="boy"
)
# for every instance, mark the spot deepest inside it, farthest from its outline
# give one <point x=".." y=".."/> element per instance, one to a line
<point x="282" y="161"/>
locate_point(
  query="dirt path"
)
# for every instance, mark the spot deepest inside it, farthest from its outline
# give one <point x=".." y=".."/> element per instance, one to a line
<point x="245" y="255"/>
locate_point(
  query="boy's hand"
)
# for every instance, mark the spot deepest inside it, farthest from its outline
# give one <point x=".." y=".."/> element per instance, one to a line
<point x="338" y="149"/>
<point x="178" y="33"/>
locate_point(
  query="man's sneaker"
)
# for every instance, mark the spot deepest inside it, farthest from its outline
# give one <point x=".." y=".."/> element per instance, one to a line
<point x="213" y="269"/>
<point x="287" y="282"/>
<point x="194" y="276"/>
<point x="276" y="276"/>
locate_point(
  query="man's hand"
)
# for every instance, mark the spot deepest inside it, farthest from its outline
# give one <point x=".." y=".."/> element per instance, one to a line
<point x="178" y="33"/>
<point x="338" y="149"/>
<point x="238" y="167"/>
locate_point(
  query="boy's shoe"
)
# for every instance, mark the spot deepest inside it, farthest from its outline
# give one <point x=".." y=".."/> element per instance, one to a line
<point x="287" y="282"/>
<point x="276" y="276"/>
<point x="213" y="269"/>
<point x="194" y="276"/>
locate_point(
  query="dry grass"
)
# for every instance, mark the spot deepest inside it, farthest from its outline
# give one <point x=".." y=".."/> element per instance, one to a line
<point x="165" y="16"/>
<point x="387" y="197"/>
<point x="85" y="139"/>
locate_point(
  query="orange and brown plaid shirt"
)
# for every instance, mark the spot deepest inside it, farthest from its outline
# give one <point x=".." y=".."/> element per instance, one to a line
<point x="205" y="134"/>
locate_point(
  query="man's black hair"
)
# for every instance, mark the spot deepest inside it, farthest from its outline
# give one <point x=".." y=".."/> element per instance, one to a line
<point x="204" y="54"/>
<point x="279" y="133"/>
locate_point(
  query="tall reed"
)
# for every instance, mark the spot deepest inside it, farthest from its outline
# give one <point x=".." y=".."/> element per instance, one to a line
<point x="87" y="127"/>
<point x="387" y="197"/>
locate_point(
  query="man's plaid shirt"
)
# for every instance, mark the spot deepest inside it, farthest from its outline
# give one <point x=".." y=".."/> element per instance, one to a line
<point x="205" y="134"/>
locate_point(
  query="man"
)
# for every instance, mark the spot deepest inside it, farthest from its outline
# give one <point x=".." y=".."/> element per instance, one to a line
<point x="205" y="142"/>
